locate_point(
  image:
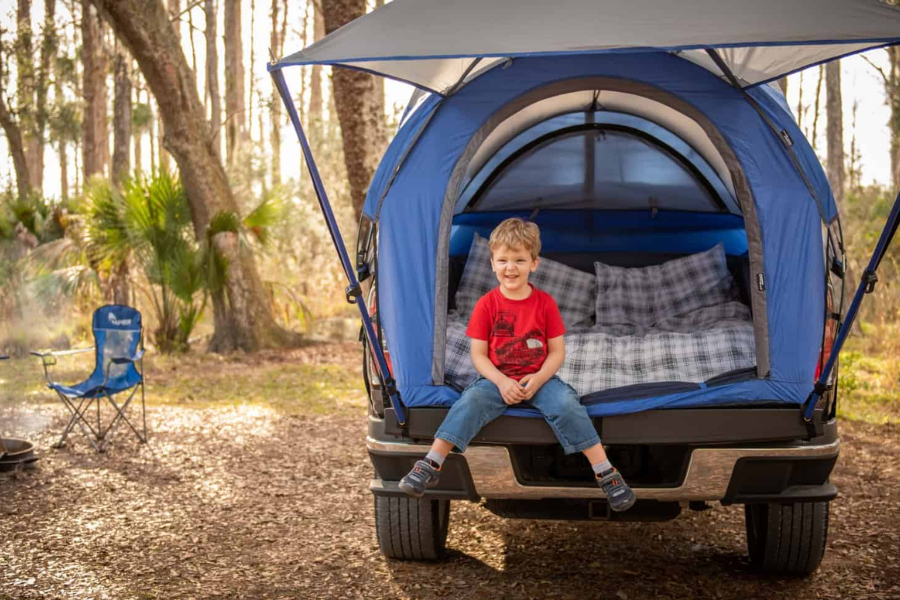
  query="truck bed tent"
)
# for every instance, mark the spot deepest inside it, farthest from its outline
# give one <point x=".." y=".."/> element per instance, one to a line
<point x="594" y="120"/>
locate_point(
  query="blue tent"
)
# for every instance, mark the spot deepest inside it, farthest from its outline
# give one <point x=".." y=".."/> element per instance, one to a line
<point x="716" y="147"/>
<point x="420" y="223"/>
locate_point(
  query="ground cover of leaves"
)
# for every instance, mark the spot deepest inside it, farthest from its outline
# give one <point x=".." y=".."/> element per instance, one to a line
<point x="255" y="500"/>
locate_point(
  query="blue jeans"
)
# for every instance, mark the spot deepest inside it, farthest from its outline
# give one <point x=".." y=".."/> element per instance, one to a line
<point x="481" y="403"/>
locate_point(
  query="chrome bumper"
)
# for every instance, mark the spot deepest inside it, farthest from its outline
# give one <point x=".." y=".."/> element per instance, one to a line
<point x="708" y="474"/>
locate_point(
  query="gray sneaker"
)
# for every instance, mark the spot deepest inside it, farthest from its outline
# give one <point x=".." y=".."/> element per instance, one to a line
<point x="618" y="494"/>
<point x="422" y="477"/>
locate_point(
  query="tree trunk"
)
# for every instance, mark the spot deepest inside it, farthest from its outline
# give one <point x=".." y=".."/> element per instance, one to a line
<point x="120" y="286"/>
<point x="854" y="171"/>
<point x="815" y="126"/>
<point x="121" y="118"/>
<point x="234" y="81"/>
<point x="150" y="130"/>
<point x="16" y="148"/>
<point x="835" y="117"/>
<point x="13" y="137"/>
<point x="315" y="114"/>
<point x="63" y="171"/>
<point x="193" y="44"/>
<point x="244" y="320"/>
<point x="892" y="87"/>
<point x="212" y="74"/>
<point x="276" y="44"/>
<point x="25" y="86"/>
<point x="95" y="136"/>
<point x="252" y="80"/>
<point x="49" y="47"/>
<point x="138" y="138"/>
<point x="356" y="97"/>
<point x="175" y="19"/>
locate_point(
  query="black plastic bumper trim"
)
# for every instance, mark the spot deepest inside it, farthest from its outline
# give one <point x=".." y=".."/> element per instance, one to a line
<point x="797" y="493"/>
<point x="692" y="426"/>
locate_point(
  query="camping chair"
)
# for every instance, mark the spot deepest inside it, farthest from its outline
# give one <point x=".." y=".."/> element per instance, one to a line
<point x="119" y="349"/>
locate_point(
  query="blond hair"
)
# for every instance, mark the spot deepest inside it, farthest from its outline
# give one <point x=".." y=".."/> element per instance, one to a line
<point x="516" y="233"/>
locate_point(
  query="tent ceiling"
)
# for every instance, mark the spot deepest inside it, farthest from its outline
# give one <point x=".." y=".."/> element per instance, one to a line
<point x="681" y="125"/>
<point x="433" y="43"/>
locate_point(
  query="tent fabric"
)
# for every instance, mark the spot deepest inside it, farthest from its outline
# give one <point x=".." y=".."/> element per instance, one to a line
<point x="662" y="122"/>
<point x="414" y="199"/>
<point x="437" y="45"/>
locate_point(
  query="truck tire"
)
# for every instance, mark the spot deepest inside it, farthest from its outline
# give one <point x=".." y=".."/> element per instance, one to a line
<point x="411" y="528"/>
<point x="788" y="539"/>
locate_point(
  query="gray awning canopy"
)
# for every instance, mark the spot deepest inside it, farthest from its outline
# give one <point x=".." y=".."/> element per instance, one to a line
<point x="436" y="44"/>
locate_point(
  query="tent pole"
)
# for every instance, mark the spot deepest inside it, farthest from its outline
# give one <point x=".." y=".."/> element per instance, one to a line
<point x="866" y="286"/>
<point x="354" y="292"/>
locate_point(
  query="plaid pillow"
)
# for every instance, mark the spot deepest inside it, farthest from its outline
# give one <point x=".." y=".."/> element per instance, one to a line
<point x="574" y="291"/>
<point x="647" y="295"/>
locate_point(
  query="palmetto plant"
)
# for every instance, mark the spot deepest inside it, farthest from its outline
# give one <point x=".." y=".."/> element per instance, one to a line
<point x="148" y="224"/>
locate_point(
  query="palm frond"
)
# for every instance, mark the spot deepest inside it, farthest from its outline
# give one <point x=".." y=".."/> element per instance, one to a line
<point x="262" y="219"/>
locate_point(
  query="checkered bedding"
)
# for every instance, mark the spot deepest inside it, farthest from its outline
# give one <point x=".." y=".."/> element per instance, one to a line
<point x="679" y="321"/>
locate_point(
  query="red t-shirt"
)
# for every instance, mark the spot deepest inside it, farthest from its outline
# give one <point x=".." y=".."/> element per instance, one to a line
<point x="516" y="330"/>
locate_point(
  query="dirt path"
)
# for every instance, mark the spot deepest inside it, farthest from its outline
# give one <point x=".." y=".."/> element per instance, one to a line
<point x="243" y="502"/>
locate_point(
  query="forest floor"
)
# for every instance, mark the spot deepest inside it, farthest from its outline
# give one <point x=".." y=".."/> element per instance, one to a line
<point x="255" y="485"/>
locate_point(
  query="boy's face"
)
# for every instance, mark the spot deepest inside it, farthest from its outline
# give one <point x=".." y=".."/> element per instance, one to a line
<point x="512" y="266"/>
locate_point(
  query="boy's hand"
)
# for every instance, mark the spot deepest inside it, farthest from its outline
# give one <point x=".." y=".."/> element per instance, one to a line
<point x="511" y="391"/>
<point x="532" y="383"/>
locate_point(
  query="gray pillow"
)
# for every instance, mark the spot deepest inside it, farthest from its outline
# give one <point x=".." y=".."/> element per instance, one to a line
<point x="646" y="295"/>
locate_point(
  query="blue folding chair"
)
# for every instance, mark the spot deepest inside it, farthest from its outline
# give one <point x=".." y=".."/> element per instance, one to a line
<point x="119" y="350"/>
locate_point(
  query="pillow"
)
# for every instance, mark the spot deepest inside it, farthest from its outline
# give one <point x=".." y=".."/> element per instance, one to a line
<point x="644" y="296"/>
<point x="573" y="290"/>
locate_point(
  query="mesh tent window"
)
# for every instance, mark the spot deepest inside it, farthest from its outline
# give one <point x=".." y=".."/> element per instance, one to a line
<point x="596" y="167"/>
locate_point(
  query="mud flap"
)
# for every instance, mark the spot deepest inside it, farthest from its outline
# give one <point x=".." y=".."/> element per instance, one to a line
<point x="353" y="292"/>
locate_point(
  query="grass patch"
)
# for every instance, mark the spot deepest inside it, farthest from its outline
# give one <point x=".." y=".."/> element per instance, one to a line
<point x="870" y="377"/>
<point x="291" y="382"/>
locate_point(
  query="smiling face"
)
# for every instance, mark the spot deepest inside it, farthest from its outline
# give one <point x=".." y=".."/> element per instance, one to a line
<point x="512" y="266"/>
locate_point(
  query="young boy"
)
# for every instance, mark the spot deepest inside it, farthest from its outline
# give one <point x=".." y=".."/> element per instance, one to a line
<point x="517" y="347"/>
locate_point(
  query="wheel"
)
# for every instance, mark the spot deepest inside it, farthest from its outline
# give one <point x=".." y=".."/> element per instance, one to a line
<point x="787" y="538"/>
<point x="411" y="528"/>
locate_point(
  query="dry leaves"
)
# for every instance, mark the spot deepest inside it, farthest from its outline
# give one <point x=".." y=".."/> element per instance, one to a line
<point x="244" y="502"/>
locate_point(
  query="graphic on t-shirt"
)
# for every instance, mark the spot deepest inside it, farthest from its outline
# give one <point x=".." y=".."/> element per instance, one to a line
<point x="522" y="350"/>
<point x="504" y="324"/>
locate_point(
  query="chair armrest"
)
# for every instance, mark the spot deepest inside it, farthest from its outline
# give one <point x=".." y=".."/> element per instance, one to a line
<point x="48" y="357"/>
<point x="121" y="360"/>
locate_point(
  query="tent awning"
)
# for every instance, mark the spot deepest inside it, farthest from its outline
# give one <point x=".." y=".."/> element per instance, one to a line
<point x="435" y="44"/>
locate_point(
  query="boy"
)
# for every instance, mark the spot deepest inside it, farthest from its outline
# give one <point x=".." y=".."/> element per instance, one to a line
<point x="517" y="347"/>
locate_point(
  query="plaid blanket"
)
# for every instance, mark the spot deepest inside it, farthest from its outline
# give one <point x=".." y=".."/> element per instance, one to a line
<point x="691" y="348"/>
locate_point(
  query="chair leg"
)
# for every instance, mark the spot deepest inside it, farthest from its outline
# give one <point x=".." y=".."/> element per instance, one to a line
<point x="78" y="418"/>
<point x="120" y="416"/>
<point x="144" y="411"/>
